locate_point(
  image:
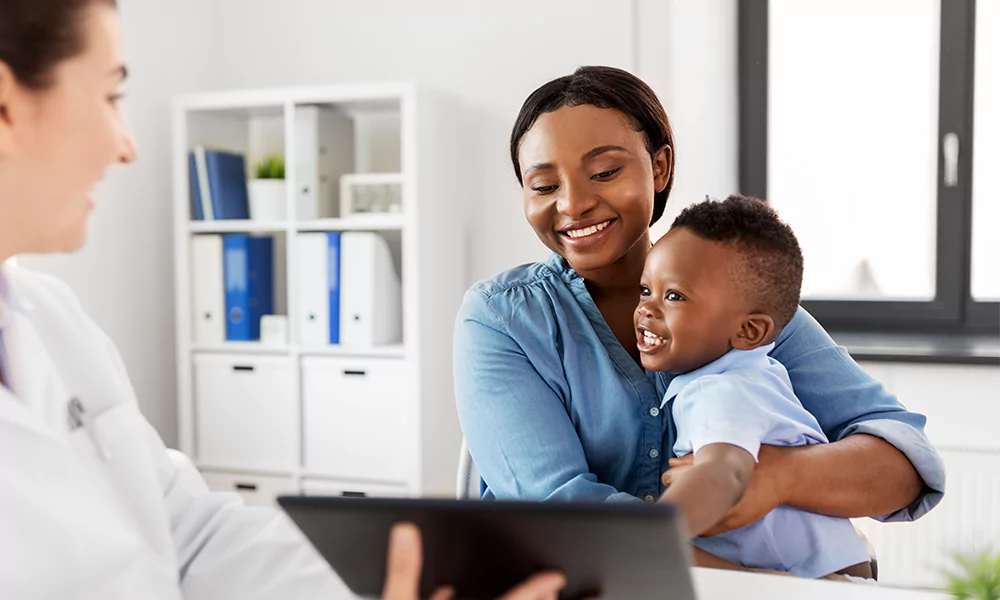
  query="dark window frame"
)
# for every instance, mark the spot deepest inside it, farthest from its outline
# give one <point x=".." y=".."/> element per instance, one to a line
<point x="953" y="309"/>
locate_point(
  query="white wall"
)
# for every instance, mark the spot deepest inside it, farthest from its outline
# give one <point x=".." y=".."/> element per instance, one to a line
<point x="960" y="403"/>
<point x="688" y="52"/>
<point x="490" y="55"/>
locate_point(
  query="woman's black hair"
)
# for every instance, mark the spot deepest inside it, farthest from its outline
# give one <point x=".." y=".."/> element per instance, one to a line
<point x="603" y="87"/>
<point x="36" y="35"/>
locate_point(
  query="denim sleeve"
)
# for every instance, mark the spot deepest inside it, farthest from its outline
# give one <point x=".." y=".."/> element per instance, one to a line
<point x="517" y="428"/>
<point x="846" y="400"/>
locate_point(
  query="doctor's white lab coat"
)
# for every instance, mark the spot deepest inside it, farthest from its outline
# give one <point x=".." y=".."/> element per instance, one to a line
<point x="100" y="510"/>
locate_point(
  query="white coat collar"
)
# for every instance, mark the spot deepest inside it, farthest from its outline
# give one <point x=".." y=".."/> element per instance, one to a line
<point x="34" y="380"/>
<point x="10" y="299"/>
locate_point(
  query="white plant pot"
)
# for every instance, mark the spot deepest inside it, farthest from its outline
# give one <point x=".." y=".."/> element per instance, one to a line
<point x="267" y="199"/>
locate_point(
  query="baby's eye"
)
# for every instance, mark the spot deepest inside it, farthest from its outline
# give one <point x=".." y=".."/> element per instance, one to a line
<point x="643" y="291"/>
<point x="673" y="296"/>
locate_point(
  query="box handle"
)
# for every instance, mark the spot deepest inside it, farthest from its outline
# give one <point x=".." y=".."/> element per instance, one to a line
<point x="246" y="487"/>
<point x="353" y="494"/>
<point x="243" y="368"/>
<point x="352" y="373"/>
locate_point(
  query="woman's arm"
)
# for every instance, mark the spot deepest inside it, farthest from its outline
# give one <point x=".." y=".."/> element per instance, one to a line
<point x="893" y="472"/>
<point x="827" y="479"/>
<point x="823" y="478"/>
<point x="517" y="427"/>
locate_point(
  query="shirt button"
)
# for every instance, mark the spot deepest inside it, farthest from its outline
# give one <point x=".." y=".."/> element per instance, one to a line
<point x="653" y="411"/>
<point x="650" y="498"/>
<point x="654" y="453"/>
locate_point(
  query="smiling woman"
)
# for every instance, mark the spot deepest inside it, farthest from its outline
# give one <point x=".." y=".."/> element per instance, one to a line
<point x="551" y="395"/>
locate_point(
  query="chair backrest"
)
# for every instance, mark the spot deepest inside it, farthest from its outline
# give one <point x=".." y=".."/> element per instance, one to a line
<point x="467" y="475"/>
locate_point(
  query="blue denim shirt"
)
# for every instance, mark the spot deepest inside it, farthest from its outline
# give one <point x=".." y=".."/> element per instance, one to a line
<point x="553" y="407"/>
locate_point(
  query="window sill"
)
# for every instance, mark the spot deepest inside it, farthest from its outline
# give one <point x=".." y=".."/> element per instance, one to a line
<point x="956" y="349"/>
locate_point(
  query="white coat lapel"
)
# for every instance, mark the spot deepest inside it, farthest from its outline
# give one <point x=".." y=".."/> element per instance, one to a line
<point x="33" y="377"/>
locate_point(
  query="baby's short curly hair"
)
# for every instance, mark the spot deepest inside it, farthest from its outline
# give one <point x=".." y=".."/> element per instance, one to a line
<point x="771" y="274"/>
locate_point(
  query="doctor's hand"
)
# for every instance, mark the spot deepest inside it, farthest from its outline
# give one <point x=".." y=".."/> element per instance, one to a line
<point x="764" y="493"/>
<point x="402" y="580"/>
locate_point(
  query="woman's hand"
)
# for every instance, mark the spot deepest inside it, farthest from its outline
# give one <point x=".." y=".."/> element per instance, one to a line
<point x="764" y="493"/>
<point x="402" y="580"/>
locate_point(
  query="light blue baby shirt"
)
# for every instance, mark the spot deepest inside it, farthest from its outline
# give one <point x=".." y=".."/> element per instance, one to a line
<point x="745" y="399"/>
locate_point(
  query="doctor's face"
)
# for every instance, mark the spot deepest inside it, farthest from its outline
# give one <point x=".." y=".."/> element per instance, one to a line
<point x="57" y="143"/>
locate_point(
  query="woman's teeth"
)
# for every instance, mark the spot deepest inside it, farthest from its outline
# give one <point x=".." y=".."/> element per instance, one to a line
<point x="651" y="338"/>
<point x="579" y="233"/>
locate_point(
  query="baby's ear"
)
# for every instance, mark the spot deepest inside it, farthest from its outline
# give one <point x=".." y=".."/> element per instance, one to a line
<point x="754" y="331"/>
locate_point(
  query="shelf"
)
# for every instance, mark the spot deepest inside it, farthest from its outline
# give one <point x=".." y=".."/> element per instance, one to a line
<point x="237" y="226"/>
<point x="247" y="471"/>
<point x="395" y="351"/>
<point x="387" y="222"/>
<point x="373" y="178"/>
<point x="241" y="348"/>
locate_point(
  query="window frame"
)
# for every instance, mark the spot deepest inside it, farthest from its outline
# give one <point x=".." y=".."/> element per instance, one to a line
<point x="953" y="308"/>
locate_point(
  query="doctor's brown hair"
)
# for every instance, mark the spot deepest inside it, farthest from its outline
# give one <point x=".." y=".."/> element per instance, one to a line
<point x="36" y="35"/>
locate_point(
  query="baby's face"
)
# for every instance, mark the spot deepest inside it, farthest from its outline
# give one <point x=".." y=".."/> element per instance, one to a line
<point x="689" y="304"/>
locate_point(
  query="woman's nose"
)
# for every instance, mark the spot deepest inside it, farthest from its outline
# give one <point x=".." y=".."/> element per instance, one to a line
<point x="128" y="152"/>
<point x="575" y="200"/>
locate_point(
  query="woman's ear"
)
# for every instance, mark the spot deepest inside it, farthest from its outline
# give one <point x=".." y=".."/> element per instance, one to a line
<point x="754" y="331"/>
<point x="661" y="168"/>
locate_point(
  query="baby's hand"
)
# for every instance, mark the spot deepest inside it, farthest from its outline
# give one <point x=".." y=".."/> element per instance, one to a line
<point x="678" y="466"/>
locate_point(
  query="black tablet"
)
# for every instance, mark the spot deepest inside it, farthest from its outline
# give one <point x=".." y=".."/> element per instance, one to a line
<point x="484" y="548"/>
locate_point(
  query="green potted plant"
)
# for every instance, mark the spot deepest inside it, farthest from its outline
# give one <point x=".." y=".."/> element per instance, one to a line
<point x="977" y="577"/>
<point x="267" y="190"/>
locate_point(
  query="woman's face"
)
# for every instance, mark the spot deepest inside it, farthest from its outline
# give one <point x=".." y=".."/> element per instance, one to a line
<point x="589" y="183"/>
<point x="56" y="144"/>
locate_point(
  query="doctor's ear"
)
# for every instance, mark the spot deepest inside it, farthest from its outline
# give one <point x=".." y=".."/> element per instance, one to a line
<point x="7" y="91"/>
<point x="754" y="331"/>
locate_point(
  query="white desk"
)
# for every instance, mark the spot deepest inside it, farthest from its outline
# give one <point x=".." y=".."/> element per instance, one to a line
<point x="712" y="584"/>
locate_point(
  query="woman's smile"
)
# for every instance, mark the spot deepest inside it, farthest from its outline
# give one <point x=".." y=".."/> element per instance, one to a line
<point x="587" y="233"/>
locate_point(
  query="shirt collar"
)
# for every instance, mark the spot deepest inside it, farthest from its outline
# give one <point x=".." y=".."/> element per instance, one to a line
<point x="734" y="359"/>
<point x="10" y="300"/>
<point x="560" y="266"/>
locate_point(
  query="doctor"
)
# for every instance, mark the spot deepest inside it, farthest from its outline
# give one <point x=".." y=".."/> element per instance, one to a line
<point x="91" y="503"/>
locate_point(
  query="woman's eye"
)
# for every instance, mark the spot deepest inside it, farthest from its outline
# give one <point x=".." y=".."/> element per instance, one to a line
<point x="114" y="99"/>
<point x="544" y="189"/>
<point x="673" y="296"/>
<point x="606" y="174"/>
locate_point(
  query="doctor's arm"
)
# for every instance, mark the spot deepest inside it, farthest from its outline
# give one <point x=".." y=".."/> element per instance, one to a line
<point x="225" y="549"/>
<point x="516" y="426"/>
<point x="228" y="550"/>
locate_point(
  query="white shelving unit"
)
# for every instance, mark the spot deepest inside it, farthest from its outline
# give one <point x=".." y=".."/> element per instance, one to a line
<point x="264" y="419"/>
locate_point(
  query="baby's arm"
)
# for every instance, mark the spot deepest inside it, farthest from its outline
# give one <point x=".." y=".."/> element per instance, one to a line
<point x="712" y="487"/>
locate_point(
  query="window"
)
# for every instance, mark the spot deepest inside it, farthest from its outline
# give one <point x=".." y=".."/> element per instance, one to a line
<point x="986" y="157"/>
<point x="856" y="124"/>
